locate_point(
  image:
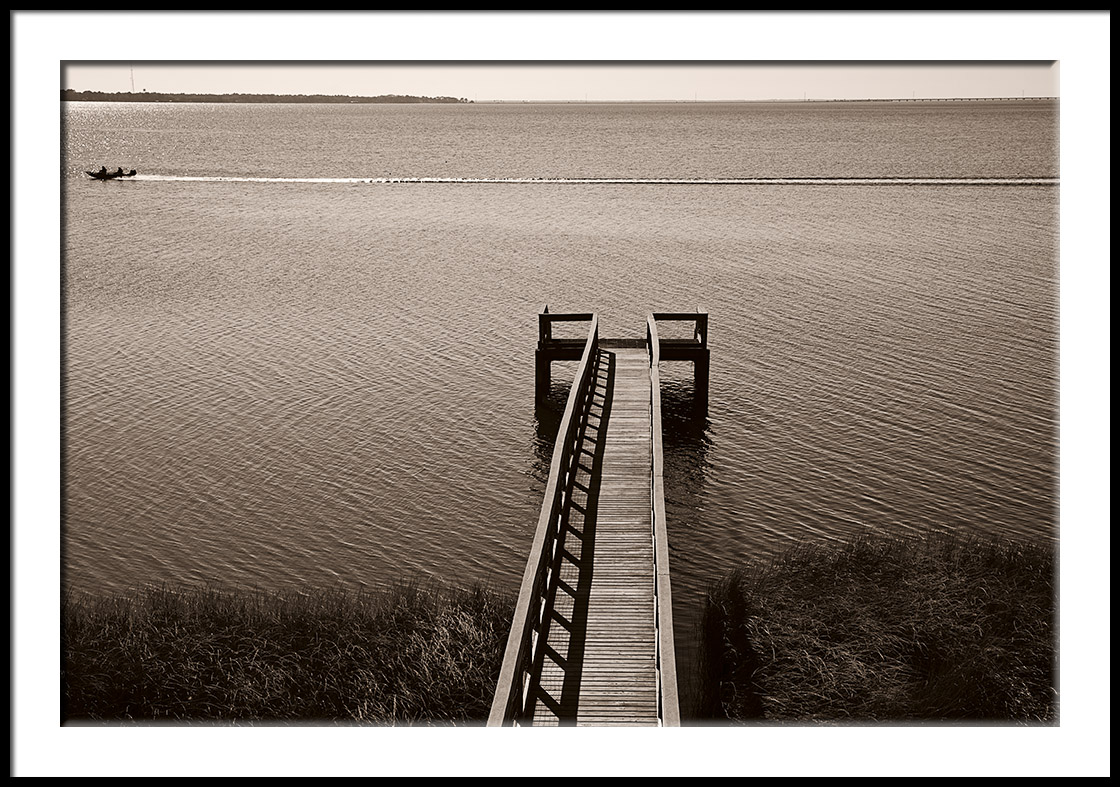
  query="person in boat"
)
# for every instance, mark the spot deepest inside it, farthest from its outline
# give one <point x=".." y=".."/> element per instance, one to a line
<point x="119" y="172"/>
<point x="103" y="170"/>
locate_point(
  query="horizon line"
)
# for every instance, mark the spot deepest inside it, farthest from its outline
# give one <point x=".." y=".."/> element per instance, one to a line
<point x="462" y="99"/>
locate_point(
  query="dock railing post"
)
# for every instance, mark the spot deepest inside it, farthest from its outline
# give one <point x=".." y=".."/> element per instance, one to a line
<point x="700" y="366"/>
<point x="543" y="360"/>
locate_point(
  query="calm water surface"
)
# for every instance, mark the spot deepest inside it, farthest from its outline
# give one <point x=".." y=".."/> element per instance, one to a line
<point x="283" y="369"/>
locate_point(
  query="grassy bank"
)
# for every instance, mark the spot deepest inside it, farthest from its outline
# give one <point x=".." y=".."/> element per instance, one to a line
<point x="886" y="630"/>
<point x="418" y="654"/>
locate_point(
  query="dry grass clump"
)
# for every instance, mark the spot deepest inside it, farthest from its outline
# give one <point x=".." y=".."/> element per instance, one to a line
<point x="946" y="628"/>
<point x="418" y="654"/>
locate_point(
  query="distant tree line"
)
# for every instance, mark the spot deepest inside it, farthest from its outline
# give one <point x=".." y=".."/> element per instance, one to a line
<point x="256" y="98"/>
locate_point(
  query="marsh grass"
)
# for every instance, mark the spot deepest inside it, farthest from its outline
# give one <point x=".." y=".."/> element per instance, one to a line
<point x="945" y="629"/>
<point x="417" y="654"/>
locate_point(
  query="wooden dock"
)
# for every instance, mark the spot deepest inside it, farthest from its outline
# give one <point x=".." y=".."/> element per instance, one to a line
<point x="592" y="638"/>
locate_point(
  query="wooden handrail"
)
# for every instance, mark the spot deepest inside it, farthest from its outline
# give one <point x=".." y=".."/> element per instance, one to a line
<point x="546" y="318"/>
<point x="667" y="698"/>
<point x="700" y="319"/>
<point x="527" y="629"/>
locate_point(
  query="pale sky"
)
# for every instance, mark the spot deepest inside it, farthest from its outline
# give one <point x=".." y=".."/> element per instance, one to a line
<point x="497" y="56"/>
<point x="42" y="41"/>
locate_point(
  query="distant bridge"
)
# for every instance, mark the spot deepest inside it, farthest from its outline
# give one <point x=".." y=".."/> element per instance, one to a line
<point x="591" y="642"/>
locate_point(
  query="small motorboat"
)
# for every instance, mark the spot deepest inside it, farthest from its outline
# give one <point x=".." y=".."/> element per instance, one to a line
<point x="104" y="174"/>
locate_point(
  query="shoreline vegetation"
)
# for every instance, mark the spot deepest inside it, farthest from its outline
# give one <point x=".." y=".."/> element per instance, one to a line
<point x="886" y="630"/>
<point x="416" y="654"/>
<point x="881" y="630"/>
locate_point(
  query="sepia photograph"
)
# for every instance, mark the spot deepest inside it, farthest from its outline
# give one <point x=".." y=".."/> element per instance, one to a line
<point x="405" y="398"/>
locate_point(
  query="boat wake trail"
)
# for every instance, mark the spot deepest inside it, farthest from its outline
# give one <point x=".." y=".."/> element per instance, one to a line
<point x="814" y="181"/>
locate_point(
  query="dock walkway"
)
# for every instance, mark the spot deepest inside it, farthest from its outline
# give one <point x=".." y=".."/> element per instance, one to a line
<point x="599" y="666"/>
<point x="591" y="641"/>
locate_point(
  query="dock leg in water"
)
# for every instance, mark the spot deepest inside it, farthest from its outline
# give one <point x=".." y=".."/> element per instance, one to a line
<point x="544" y="375"/>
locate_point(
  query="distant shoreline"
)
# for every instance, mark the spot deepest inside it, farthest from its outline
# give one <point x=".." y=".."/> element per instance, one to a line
<point x="273" y="98"/>
<point x="253" y="98"/>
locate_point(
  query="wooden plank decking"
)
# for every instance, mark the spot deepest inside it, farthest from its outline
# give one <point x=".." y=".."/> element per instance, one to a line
<point x="600" y="660"/>
<point x="591" y="641"/>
